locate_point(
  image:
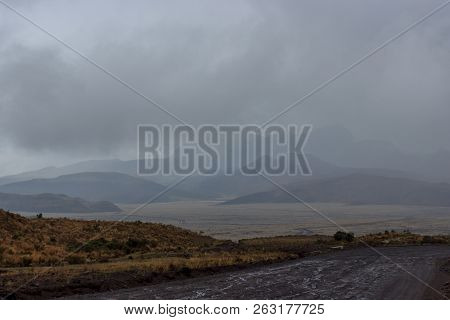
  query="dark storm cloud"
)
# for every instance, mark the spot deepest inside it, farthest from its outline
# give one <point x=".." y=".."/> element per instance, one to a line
<point x="217" y="62"/>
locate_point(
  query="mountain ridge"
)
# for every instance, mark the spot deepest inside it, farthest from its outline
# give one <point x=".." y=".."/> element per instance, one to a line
<point x="357" y="189"/>
<point x="53" y="203"/>
<point x="98" y="186"/>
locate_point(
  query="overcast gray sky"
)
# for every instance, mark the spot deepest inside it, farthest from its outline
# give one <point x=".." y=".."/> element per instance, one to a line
<point x="216" y="62"/>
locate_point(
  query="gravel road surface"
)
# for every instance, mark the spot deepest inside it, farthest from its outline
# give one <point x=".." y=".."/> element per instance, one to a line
<point x="350" y="274"/>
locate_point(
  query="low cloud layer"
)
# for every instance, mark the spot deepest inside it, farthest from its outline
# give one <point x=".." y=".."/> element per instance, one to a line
<point x="217" y="62"/>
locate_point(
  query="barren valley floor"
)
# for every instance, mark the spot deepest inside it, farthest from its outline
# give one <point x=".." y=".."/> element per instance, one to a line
<point x="266" y="220"/>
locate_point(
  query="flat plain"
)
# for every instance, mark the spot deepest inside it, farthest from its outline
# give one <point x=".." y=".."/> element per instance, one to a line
<point x="264" y="220"/>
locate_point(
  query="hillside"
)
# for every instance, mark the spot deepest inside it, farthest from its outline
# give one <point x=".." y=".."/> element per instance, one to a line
<point x="97" y="186"/>
<point x="358" y="189"/>
<point x="52" y="203"/>
<point x="45" y="241"/>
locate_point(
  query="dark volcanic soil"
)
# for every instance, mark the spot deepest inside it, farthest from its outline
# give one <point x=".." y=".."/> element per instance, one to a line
<point x="350" y="274"/>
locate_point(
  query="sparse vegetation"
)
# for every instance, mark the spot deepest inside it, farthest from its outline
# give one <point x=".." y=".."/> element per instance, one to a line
<point x="42" y="241"/>
<point x="403" y="238"/>
<point x="344" y="236"/>
<point x="89" y="256"/>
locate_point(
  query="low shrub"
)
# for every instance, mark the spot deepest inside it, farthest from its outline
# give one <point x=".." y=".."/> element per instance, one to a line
<point x="75" y="259"/>
<point x="344" y="236"/>
<point x="26" y="261"/>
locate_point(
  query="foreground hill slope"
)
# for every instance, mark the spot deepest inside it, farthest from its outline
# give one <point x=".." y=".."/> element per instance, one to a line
<point x="44" y="241"/>
<point x="358" y="189"/>
<point x="53" y="203"/>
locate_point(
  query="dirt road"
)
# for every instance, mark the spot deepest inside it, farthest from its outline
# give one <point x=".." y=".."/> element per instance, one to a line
<point x="352" y="274"/>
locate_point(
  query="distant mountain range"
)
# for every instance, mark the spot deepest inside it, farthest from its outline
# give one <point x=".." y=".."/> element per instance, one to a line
<point x="53" y="203"/>
<point x="222" y="185"/>
<point x="124" y="188"/>
<point x="196" y="186"/>
<point x="98" y="186"/>
<point x="333" y="153"/>
<point x="114" y="165"/>
<point x="328" y="148"/>
<point x="357" y="189"/>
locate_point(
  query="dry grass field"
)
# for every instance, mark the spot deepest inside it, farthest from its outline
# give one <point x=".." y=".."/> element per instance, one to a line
<point x="43" y="242"/>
